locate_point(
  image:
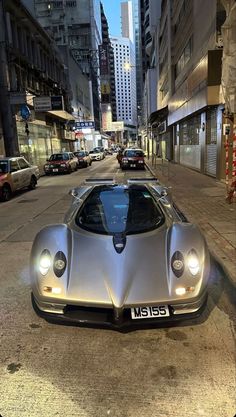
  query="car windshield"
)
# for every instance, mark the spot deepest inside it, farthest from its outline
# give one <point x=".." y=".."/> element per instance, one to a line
<point x="94" y="151"/>
<point x="132" y="153"/>
<point x="116" y="209"/>
<point x="3" y="167"/>
<point x="59" y="157"/>
<point x="80" y="153"/>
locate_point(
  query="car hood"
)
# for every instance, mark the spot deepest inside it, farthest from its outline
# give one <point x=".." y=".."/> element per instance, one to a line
<point x="100" y="275"/>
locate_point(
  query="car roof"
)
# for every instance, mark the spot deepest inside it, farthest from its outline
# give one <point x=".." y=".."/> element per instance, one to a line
<point x="9" y="158"/>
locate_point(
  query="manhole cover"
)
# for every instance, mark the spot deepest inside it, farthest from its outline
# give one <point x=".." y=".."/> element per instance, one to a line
<point x="32" y="200"/>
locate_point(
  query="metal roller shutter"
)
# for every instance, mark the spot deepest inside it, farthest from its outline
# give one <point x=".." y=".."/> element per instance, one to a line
<point x="211" y="142"/>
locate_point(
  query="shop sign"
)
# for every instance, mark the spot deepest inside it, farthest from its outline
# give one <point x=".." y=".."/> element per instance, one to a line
<point x="57" y="103"/>
<point x="117" y="126"/>
<point x="103" y="60"/>
<point x="85" y="124"/>
<point x="48" y="103"/>
<point x="162" y="127"/>
<point x="42" y="104"/>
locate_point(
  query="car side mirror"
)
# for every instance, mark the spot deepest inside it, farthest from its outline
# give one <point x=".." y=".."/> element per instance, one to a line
<point x="74" y="193"/>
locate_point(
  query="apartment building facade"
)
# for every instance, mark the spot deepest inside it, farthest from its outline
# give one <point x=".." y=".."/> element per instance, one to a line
<point x="76" y="25"/>
<point x="190" y="130"/>
<point x="31" y="67"/>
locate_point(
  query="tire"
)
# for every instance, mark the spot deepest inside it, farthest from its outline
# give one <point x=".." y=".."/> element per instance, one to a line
<point x="6" y="193"/>
<point x="33" y="183"/>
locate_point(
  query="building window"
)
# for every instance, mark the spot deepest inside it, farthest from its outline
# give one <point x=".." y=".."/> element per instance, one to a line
<point x="184" y="58"/>
<point x="71" y="4"/>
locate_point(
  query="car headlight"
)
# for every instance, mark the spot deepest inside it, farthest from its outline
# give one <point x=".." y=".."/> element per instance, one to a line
<point x="193" y="262"/>
<point x="140" y="162"/>
<point x="59" y="264"/>
<point x="177" y="264"/>
<point x="46" y="166"/>
<point x="63" y="165"/>
<point x="45" y="262"/>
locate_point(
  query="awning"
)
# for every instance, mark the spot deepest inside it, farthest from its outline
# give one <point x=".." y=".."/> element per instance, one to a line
<point x="61" y="114"/>
<point x="158" y="115"/>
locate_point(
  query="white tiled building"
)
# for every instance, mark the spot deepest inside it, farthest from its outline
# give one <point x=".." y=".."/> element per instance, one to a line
<point x="125" y="75"/>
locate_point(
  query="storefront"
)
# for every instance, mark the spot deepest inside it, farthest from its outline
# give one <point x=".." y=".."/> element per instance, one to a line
<point x="198" y="141"/>
<point x="38" y="139"/>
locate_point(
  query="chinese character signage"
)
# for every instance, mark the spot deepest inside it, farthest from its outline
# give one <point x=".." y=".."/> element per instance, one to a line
<point x="87" y="124"/>
<point x="103" y="59"/>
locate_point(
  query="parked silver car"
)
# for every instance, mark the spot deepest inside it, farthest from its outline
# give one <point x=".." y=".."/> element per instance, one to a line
<point x="15" y="174"/>
<point x="125" y="255"/>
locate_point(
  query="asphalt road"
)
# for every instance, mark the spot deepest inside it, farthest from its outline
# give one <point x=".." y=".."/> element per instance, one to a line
<point x="52" y="370"/>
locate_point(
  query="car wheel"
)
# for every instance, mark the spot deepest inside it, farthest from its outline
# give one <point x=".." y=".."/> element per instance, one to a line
<point x="33" y="183"/>
<point x="6" y="192"/>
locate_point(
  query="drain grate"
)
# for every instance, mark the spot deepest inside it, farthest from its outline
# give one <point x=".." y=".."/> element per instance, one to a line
<point x="32" y="200"/>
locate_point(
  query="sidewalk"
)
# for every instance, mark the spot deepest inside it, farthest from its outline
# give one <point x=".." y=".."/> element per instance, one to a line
<point x="202" y="200"/>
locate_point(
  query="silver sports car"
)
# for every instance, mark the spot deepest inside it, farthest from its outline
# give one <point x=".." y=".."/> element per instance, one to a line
<point x="125" y="255"/>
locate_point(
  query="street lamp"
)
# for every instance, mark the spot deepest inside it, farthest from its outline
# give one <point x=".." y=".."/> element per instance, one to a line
<point x="128" y="66"/>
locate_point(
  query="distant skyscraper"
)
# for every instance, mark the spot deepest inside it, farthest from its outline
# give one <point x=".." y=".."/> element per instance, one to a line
<point x="125" y="80"/>
<point x="127" y="27"/>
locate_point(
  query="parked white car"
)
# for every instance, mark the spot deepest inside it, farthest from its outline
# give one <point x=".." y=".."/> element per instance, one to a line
<point x="15" y="174"/>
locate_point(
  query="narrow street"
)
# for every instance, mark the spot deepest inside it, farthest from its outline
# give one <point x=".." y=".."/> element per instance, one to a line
<point x="53" y="370"/>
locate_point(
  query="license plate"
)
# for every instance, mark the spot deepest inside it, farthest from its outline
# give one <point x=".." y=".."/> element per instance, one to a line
<point x="55" y="170"/>
<point x="132" y="165"/>
<point x="149" y="312"/>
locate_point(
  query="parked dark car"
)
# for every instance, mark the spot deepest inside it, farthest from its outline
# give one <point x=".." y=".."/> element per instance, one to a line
<point x="132" y="158"/>
<point x="63" y="163"/>
<point x="84" y="159"/>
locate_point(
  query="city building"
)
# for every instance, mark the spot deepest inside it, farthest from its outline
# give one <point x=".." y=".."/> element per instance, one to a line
<point x="35" y="96"/>
<point x="125" y="75"/>
<point x="76" y="25"/>
<point x="107" y="68"/>
<point x="127" y="20"/>
<point x="138" y="57"/>
<point x="150" y="21"/>
<point x="190" y="109"/>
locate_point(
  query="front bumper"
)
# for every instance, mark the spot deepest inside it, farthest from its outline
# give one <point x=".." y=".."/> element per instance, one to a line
<point x="133" y="165"/>
<point x="105" y="317"/>
<point x="56" y="170"/>
<point x="96" y="158"/>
